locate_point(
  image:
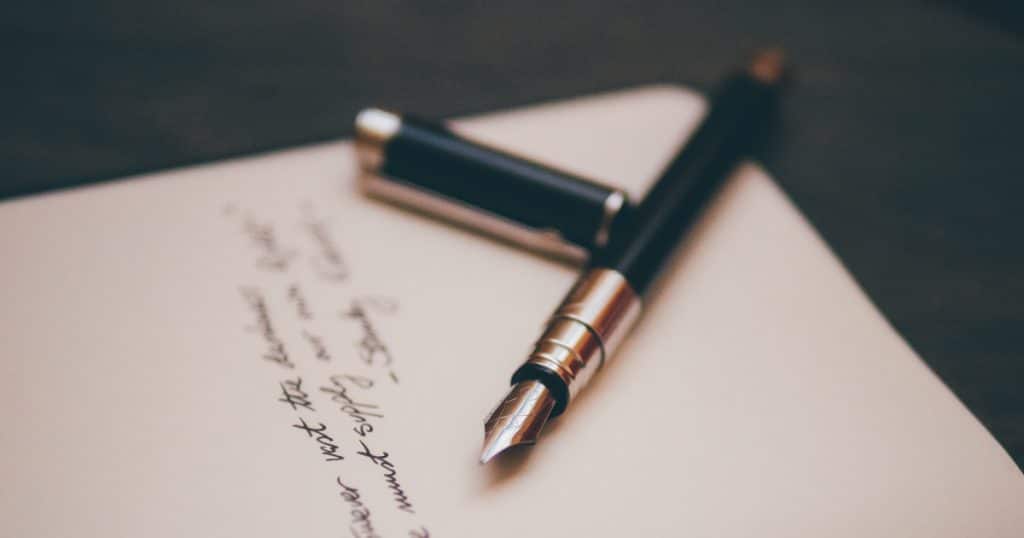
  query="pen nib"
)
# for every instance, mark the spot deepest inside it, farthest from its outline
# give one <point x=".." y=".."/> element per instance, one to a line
<point x="518" y="420"/>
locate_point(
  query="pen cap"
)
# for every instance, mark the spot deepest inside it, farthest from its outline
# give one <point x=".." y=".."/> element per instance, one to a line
<point x="427" y="167"/>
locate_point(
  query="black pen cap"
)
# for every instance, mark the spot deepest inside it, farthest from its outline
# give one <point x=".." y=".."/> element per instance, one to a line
<point x="427" y="167"/>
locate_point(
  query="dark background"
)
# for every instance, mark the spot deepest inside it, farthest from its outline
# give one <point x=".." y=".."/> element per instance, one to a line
<point x="901" y="139"/>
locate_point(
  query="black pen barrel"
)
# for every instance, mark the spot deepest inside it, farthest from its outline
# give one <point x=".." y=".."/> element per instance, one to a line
<point x="607" y="299"/>
<point x="738" y="112"/>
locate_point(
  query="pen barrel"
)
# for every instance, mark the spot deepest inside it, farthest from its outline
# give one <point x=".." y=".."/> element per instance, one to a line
<point x="428" y="167"/>
<point x="582" y="334"/>
<point x="738" y="114"/>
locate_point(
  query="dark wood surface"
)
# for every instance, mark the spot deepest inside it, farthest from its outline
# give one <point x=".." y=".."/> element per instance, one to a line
<point x="901" y="140"/>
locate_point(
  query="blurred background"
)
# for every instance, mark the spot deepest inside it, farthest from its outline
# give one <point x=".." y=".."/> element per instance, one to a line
<point x="900" y="139"/>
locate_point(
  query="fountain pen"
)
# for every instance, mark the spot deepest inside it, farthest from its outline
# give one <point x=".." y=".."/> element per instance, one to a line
<point x="606" y="300"/>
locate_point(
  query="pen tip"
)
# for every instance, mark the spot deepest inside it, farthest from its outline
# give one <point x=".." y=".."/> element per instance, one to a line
<point x="490" y="452"/>
<point x="518" y="419"/>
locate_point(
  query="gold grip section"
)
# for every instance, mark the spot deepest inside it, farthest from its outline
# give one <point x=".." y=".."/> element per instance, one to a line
<point x="586" y="328"/>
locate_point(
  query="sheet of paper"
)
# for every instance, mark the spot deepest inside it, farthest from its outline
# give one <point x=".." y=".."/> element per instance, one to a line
<point x="252" y="349"/>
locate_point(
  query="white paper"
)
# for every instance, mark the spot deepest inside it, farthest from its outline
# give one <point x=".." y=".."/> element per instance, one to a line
<point x="762" y="394"/>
